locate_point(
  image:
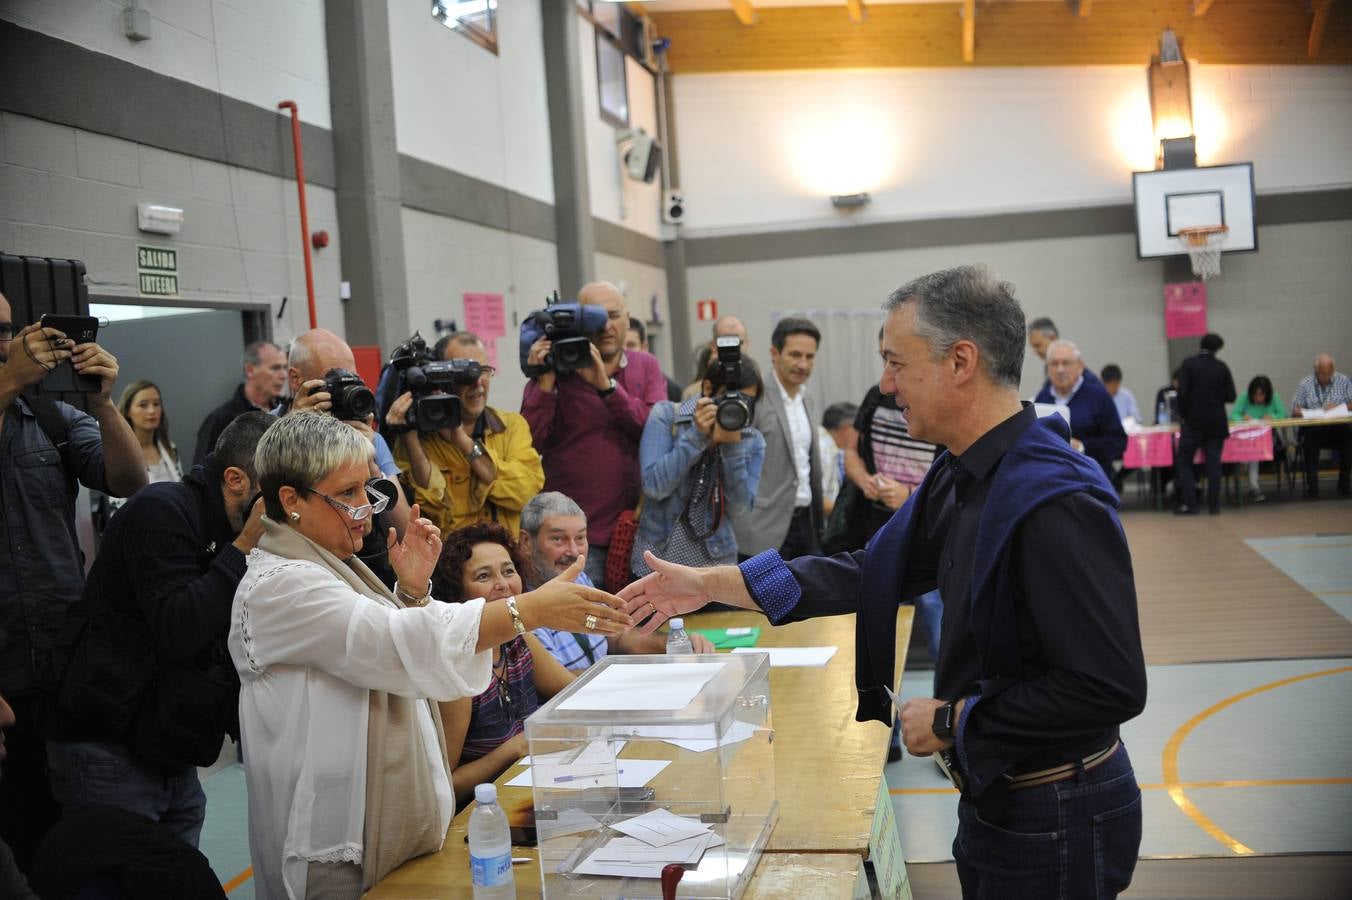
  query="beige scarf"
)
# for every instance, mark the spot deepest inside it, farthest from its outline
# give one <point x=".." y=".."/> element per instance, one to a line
<point x="401" y="807"/>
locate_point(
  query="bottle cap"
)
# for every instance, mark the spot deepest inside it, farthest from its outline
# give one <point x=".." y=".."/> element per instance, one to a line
<point x="486" y="794"/>
<point x="677" y="623"/>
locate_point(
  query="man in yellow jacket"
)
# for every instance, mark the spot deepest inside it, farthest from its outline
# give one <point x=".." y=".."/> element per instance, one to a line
<point x="484" y="470"/>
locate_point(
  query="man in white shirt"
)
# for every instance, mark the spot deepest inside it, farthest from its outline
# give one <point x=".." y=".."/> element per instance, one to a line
<point x="788" y="511"/>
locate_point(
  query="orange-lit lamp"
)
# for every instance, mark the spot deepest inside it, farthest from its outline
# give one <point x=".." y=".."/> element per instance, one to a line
<point x="1171" y="106"/>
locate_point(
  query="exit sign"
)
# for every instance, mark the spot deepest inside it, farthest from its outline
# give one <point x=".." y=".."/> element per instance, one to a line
<point x="157" y="271"/>
<point x="707" y="310"/>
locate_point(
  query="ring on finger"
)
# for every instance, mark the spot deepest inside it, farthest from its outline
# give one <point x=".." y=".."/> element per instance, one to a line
<point x="590" y="622"/>
<point x="653" y="608"/>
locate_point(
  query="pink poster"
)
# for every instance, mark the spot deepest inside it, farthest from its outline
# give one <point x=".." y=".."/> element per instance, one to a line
<point x="1185" y="309"/>
<point x="486" y="316"/>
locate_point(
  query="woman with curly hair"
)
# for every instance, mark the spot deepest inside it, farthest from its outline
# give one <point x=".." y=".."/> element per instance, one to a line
<point x="485" y="734"/>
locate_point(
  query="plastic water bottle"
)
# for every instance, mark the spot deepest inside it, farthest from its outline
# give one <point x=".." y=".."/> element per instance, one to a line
<point x="678" y="642"/>
<point x="490" y="847"/>
<point x="1162" y="414"/>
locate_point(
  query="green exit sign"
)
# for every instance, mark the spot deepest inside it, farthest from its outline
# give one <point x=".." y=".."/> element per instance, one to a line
<point x="157" y="271"/>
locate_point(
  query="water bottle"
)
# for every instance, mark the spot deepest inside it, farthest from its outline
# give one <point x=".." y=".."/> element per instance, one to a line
<point x="490" y="848"/>
<point x="678" y="642"/>
<point x="1161" y="414"/>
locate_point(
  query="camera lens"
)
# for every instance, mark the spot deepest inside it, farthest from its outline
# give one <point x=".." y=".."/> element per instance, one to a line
<point x="359" y="401"/>
<point x="733" y="414"/>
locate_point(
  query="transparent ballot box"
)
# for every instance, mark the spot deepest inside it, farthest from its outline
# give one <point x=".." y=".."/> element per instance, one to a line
<point x="650" y="760"/>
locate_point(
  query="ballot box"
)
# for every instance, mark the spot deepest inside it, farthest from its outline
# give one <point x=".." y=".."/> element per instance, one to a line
<point x="648" y="761"/>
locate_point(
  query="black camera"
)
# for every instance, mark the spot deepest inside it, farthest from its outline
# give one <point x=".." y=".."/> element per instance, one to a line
<point x="352" y="400"/>
<point x="735" y="409"/>
<point x="432" y="383"/>
<point x="569" y="327"/>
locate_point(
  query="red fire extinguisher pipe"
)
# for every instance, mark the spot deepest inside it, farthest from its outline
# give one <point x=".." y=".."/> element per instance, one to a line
<point x="304" y="213"/>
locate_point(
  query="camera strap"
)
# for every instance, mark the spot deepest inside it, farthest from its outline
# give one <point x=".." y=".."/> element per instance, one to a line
<point x="706" y="498"/>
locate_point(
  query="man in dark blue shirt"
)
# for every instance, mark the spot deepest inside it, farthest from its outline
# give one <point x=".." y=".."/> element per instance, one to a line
<point x="1041" y="655"/>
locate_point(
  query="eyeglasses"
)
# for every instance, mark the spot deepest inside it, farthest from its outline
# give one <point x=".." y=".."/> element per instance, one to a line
<point x="6" y="331"/>
<point x="378" y="503"/>
<point x="488" y="370"/>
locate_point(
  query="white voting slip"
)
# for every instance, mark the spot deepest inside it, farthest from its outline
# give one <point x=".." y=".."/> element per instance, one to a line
<point x="1338" y="412"/>
<point x="661" y="827"/>
<point x="737" y="732"/>
<point x="629" y="858"/>
<point x="793" y="656"/>
<point x="643" y="687"/>
<point x="630" y="773"/>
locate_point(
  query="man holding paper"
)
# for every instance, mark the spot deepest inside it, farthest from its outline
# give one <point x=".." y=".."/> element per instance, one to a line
<point x="1041" y="656"/>
<point x="1319" y="395"/>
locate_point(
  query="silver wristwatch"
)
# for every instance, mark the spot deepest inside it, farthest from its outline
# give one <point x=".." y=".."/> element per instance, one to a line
<point x="476" y="451"/>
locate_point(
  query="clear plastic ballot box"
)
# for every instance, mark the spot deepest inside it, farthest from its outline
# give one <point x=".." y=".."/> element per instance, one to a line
<point x="646" y="761"/>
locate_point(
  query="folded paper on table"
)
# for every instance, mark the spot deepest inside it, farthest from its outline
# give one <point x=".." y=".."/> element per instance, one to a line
<point x="661" y="827"/>
<point x="795" y="656"/>
<point x="1338" y="412"/>
<point x="644" y="687"/>
<point x="631" y="773"/>
<point x="629" y="858"/>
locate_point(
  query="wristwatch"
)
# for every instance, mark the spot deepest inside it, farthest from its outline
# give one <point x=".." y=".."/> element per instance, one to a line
<point x="476" y="451"/>
<point x="944" y="722"/>
<point x="609" y="390"/>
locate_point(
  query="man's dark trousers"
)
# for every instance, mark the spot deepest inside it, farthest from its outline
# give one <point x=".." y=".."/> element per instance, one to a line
<point x="1188" y="444"/>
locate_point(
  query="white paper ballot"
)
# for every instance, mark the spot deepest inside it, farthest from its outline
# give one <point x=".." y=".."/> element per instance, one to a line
<point x="1050" y="409"/>
<point x="661" y="827"/>
<point x="569" y="821"/>
<point x="793" y="656"/>
<point x="1338" y="412"/>
<point x="632" y="773"/>
<point x="644" y="687"/>
<point x="594" y="752"/>
<point x="628" y="858"/>
<point x="737" y="732"/>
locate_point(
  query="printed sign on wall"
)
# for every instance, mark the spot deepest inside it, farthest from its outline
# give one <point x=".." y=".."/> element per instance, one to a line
<point x="1185" y="309"/>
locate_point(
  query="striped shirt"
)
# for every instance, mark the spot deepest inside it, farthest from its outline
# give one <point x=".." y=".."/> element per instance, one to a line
<point x="498" y="715"/>
<point x="895" y="453"/>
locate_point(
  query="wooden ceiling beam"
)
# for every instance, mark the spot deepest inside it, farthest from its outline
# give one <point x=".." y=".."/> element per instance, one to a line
<point x="968" y="31"/>
<point x="1199" y="7"/>
<point x="1317" y="27"/>
<point x="856" y="10"/>
<point x="745" y="12"/>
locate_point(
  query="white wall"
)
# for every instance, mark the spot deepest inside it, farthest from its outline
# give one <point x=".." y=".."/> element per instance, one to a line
<point x="258" y="51"/>
<point x="641" y="283"/>
<point x="763" y="151"/>
<point x="459" y="106"/>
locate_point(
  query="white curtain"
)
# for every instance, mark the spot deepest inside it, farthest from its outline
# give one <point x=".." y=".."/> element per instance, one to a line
<point x="847" y="359"/>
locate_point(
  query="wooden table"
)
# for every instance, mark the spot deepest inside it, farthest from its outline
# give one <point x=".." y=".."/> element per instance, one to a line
<point x="827" y="770"/>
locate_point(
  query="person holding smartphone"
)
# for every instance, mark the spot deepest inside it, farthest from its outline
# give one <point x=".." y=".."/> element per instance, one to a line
<point x="46" y="446"/>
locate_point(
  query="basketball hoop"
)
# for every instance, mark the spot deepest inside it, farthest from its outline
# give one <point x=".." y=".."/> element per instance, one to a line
<point x="1203" y="244"/>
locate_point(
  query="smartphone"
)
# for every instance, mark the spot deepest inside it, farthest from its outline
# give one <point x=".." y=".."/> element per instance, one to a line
<point x="64" y="379"/>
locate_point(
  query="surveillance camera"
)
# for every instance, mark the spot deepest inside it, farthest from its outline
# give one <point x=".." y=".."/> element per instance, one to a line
<point x="673" y="207"/>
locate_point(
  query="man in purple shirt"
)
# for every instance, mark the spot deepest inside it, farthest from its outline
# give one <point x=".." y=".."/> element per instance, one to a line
<point x="587" y="424"/>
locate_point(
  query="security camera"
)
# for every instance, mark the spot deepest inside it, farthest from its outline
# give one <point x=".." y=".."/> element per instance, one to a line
<point x="673" y="207"/>
<point x="640" y="153"/>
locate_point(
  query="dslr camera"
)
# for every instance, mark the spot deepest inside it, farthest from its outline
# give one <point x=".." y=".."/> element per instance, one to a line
<point x="569" y="327"/>
<point x="432" y="383"/>
<point x="352" y="400"/>
<point x="735" y="409"/>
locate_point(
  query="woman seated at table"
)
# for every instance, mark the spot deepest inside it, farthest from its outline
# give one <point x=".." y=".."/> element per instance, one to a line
<point x="485" y="733"/>
<point x="1258" y="403"/>
<point x="344" y="759"/>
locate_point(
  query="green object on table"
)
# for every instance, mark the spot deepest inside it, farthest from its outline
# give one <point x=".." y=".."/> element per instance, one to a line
<point x="719" y="637"/>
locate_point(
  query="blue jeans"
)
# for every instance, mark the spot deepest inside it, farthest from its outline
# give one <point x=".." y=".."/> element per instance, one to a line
<point x="86" y="775"/>
<point x="1071" y="839"/>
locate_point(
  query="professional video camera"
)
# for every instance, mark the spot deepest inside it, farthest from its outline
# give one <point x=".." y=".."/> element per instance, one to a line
<point x="735" y="409"/>
<point x="352" y="400"/>
<point x="569" y="327"/>
<point x="432" y="382"/>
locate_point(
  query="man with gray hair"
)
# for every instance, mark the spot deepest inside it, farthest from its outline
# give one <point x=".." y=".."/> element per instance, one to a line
<point x="1041" y="656"/>
<point x="1095" y="428"/>
<point x="264" y="378"/>
<point x="1323" y="390"/>
<point x="1041" y="332"/>
<point x="553" y="536"/>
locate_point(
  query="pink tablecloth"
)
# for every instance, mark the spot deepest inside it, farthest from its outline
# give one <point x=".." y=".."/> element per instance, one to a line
<point x="1155" y="448"/>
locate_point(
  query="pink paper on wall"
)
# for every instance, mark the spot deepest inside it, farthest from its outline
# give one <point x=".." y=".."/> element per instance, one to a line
<point x="486" y="316"/>
<point x="1185" y="309"/>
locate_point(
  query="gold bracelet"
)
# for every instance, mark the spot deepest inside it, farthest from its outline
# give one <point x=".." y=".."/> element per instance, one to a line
<point x="517" y="624"/>
<point x="410" y="600"/>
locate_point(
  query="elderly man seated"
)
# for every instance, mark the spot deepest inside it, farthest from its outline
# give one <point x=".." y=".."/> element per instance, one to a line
<point x="1325" y="389"/>
<point x="1095" y="429"/>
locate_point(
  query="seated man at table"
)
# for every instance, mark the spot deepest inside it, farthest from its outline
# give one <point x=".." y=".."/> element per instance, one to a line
<point x="1095" y="429"/>
<point x="1324" y="389"/>
<point x="553" y="536"/>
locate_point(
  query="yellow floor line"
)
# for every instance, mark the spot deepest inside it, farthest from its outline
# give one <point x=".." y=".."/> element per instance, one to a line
<point x="1187" y="785"/>
<point x="1175" y="786"/>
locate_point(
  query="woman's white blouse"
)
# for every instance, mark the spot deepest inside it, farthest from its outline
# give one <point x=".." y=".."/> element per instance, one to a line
<point x="309" y="649"/>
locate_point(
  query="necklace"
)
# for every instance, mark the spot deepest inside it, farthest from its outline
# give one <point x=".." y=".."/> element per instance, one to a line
<point x="500" y="669"/>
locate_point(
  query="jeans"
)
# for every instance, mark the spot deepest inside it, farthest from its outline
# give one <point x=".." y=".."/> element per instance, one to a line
<point x="801" y="539"/>
<point x="1072" y="839"/>
<point x="86" y="775"/>
<point x="1187" y="484"/>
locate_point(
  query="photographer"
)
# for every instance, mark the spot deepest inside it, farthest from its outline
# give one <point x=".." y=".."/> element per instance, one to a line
<point x="45" y="447"/>
<point x="483" y="469"/>
<point x="587" y="423"/>
<point x="150" y="691"/>
<point x="701" y="463"/>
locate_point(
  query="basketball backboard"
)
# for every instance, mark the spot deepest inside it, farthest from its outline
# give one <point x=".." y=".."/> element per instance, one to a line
<point x="1171" y="199"/>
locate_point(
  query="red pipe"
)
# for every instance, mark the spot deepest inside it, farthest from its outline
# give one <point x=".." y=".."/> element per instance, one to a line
<point x="304" y="214"/>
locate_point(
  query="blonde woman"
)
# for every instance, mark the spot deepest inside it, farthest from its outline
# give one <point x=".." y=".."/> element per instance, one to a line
<point x="143" y="408"/>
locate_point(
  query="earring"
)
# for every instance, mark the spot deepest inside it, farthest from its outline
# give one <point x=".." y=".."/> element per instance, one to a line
<point x="295" y="516"/>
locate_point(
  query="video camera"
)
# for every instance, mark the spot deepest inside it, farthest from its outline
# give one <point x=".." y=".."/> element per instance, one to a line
<point x="432" y="382"/>
<point x="735" y="409"/>
<point x="352" y="400"/>
<point x="569" y="327"/>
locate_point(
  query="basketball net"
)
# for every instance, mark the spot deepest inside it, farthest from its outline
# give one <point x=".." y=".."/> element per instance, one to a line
<point x="1203" y="244"/>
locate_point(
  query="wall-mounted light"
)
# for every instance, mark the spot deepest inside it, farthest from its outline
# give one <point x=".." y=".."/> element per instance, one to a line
<point x="159" y="219"/>
<point x="851" y="201"/>
<point x="1171" y="105"/>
